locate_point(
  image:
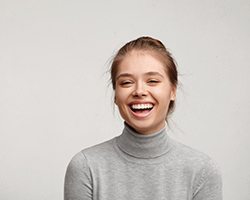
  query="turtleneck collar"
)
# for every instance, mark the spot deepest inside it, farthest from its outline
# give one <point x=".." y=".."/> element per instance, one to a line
<point x="143" y="146"/>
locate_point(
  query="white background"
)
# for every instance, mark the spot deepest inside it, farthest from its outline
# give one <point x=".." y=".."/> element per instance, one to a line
<point x="54" y="94"/>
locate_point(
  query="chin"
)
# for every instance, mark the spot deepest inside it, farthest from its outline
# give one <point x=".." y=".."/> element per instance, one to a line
<point x="142" y="127"/>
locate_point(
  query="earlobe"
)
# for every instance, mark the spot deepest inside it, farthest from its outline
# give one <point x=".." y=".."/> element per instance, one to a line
<point x="173" y="94"/>
<point x="172" y="97"/>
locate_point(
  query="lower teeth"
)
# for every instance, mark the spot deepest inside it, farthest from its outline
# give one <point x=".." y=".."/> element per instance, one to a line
<point x="140" y="110"/>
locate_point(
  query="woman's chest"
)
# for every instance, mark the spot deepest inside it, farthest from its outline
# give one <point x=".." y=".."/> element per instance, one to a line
<point x="131" y="181"/>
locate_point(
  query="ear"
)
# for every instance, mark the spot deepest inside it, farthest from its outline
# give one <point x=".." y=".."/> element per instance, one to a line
<point x="173" y="93"/>
<point x="115" y="100"/>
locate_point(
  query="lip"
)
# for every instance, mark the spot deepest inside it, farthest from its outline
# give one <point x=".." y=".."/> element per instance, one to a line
<point x="143" y="114"/>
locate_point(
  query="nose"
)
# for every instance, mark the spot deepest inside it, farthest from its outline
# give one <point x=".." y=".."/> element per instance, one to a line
<point x="139" y="90"/>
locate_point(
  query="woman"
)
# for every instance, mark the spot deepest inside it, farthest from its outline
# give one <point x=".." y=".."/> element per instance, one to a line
<point x="143" y="162"/>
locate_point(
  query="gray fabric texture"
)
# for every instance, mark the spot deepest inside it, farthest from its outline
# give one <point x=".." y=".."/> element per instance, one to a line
<point x="142" y="167"/>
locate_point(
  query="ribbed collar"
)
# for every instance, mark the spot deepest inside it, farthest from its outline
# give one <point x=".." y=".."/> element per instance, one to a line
<point x="143" y="146"/>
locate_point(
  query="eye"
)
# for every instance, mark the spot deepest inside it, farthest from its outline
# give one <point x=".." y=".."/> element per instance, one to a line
<point x="126" y="83"/>
<point x="153" y="81"/>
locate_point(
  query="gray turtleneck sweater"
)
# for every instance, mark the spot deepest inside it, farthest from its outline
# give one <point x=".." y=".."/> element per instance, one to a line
<point x="142" y="167"/>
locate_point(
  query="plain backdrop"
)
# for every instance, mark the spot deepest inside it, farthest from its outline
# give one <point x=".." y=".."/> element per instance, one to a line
<point x="55" y="97"/>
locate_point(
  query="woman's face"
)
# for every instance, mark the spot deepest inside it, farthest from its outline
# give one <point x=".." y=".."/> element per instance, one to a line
<point x="143" y="92"/>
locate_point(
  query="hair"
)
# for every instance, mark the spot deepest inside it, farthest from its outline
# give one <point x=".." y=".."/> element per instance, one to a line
<point x="155" y="47"/>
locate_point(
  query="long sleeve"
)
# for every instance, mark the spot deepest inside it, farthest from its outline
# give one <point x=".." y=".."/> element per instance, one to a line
<point x="210" y="184"/>
<point x="78" y="183"/>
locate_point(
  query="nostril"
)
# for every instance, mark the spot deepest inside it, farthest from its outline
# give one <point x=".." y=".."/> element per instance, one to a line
<point x="140" y="93"/>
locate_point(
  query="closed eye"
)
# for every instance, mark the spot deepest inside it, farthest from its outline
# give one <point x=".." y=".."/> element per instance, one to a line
<point x="153" y="81"/>
<point x="126" y="83"/>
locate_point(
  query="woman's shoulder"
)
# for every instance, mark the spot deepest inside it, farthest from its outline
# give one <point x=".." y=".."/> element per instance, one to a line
<point x="96" y="152"/>
<point x="194" y="159"/>
<point x="199" y="166"/>
<point x="203" y="169"/>
<point x="99" y="149"/>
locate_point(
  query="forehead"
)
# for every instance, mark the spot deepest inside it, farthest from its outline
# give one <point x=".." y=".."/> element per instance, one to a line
<point x="141" y="62"/>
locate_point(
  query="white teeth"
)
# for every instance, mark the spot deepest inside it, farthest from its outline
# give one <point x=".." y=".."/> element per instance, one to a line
<point x="142" y="106"/>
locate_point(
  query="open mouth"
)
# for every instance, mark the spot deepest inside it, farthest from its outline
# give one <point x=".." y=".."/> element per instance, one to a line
<point x="141" y="108"/>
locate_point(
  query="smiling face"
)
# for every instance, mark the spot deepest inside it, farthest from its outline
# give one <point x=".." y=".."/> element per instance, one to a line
<point x="143" y="91"/>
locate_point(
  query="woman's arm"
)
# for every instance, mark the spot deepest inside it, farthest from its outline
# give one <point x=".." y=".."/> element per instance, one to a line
<point x="78" y="183"/>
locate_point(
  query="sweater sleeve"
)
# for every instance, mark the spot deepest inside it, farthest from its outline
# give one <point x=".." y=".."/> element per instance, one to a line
<point x="78" y="182"/>
<point x="209" y="186"/>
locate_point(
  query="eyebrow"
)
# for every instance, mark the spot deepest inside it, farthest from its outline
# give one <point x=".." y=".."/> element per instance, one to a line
<point x="145" y="74"/>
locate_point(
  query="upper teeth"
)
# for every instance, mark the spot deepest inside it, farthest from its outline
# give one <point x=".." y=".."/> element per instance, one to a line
<point x="142" y="106"/>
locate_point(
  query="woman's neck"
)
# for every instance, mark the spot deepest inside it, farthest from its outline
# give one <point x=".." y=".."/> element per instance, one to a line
<point x="143" y="146"/>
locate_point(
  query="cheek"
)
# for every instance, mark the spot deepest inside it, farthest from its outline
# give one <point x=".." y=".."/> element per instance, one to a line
<point x="120" y="97"/>
<point x="163" y="94"/>
<point x="162" y="91"/>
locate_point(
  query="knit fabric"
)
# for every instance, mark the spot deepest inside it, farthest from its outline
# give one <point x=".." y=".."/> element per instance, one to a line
<point x="142" y="167"/>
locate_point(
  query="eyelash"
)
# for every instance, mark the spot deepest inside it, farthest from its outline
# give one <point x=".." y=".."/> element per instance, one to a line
<point x="153" y="81"/>
<point x="125" y="82"/>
